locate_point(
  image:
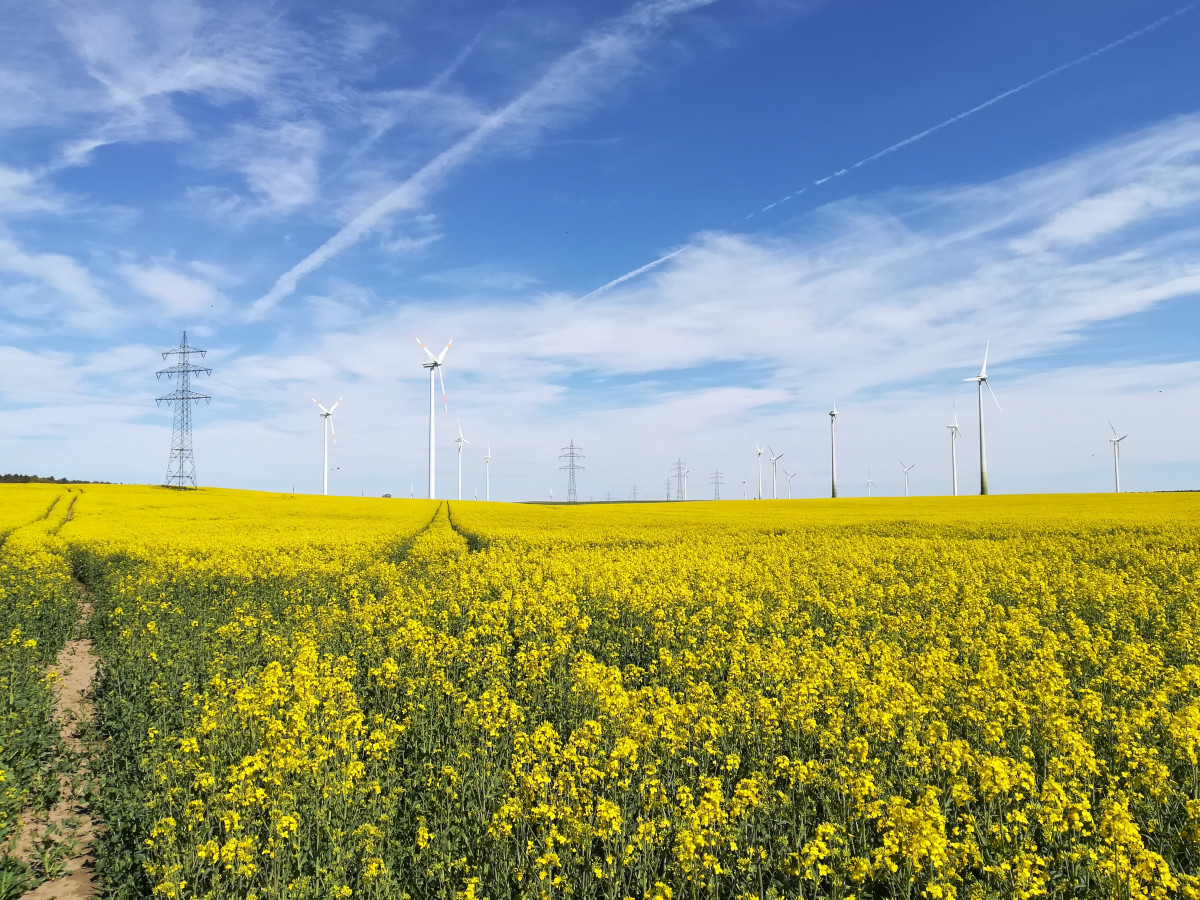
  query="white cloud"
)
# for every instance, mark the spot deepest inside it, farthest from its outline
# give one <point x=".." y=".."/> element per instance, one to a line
<point x="602" y="59"/>
<point x="280" y="164"/>
<point x="62" y="284"/>
<point x="177" y="294"/>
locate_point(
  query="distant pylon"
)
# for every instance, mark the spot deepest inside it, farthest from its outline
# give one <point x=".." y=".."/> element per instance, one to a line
<point x="680" y="472"/>
<point x="572" y="455"/>
<point x="716" y="481"/>
<point x="181" y="467"/>
<point x="667" y="485"/>
<point x="635" y="493"/>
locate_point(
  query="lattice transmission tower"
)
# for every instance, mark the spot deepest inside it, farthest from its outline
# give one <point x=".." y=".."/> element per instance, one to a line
<point x="679" y="472"/>
<point x="181" y="468"/>
<point x="572" y="455"/>
<point x="716" y="480"/>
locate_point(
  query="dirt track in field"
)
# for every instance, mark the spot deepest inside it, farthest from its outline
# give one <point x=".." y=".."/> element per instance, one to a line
<point x="70" y="822"/>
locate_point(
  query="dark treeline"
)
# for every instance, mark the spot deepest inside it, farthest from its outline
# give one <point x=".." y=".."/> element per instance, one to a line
<point x="39" y="479"/>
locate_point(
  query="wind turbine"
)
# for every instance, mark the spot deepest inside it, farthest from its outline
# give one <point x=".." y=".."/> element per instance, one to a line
<point x="789" y="481"/>
<point x="981" y="380"/>
<point x="870" y="483"/>
<point x="906" y="469"/>
<point x="774" y="459"/>
<point x="434" y="365"/>
<point x="460" y="440"/>
<point x="1116" y="442"/>
<point x="327" y="426"/>
<point x="954" y="433"/>
<point x="760" y="453"/>
<point x="487" y="464"/>
<point x="833" y="446"/>
<point x="744" y="489"/>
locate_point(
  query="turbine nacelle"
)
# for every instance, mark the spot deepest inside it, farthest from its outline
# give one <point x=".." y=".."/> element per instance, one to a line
<point x="435" y="362"/>
<point x="327" y="415"/>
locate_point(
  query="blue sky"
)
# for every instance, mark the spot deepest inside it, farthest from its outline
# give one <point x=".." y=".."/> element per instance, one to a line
<point x="668" y="229"/>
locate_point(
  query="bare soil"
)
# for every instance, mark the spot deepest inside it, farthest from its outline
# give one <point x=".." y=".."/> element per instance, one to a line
<point x="70" y="822"/>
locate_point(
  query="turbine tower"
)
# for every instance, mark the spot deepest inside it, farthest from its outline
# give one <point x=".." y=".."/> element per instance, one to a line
<point x="1116" y="442"/>
<point x="870" y="483"/>
<point x="760" y="453"/>
<point x="906" y="469"/>
<point x="954" y="433"/>
<point x="980" y="381"/>
<point x="181" y="467"/>
<point x="774" y="460"/>
<point x="434" y="364"/>
<point x="833" y="446"/>
<point x="327" y="426"/>
<point x="487" y="465"/>
<point x="460" y="440"/>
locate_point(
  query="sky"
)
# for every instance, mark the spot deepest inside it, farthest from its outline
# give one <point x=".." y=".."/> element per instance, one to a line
<point x="668" y="231"/>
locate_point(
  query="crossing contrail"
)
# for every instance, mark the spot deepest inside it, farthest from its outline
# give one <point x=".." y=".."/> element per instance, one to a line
<point x="920" y="135"/>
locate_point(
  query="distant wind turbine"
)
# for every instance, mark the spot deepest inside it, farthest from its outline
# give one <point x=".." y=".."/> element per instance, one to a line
<point x="327" y="426"/>
<point x="981" y="380"/>
<point x="461" y="441"/>
<point x="870" y="483"/>
<point x="789" y="481"/>
<point x="833" y="446"/>
<point x="487" y="463"/>
<point x="434" y="365"/>
<point x="1116" y="442"/>
<point x="744" y="489"/>
<point x="954" y="433"/>
<point x="760" y="453"/>
<point x="774" y="460"/>
<point x="906" y="469"/>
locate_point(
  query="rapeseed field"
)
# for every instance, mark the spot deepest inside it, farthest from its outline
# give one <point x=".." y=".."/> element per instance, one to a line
<point x="938" y="698"/>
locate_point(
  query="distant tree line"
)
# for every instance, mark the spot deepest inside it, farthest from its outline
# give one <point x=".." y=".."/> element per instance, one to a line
<point x="39" y="479"/>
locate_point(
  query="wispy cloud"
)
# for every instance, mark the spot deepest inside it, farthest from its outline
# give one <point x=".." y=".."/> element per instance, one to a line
<point x="600" y="60"/>
<point x="933" y="129"/>
<point x="177" y="294"/>
<point x="280" y="164"/>
<point x="61" y="283"/>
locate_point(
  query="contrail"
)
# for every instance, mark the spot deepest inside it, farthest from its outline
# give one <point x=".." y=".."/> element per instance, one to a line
<point x="634" y="274"/>
<point x="1057" y="70"/>
<point x="556" y="89"/>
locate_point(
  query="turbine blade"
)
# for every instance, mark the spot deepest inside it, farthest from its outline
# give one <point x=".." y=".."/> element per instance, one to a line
<point x="335" y="406"/>
<point x="1114" y="430"/>
<point x="994" y="400"/>
<point x="326" y="412"/>
<point x="332" y="431"/>
<point x="432" y="358"/>
<point x="443" y="381"/>
<point x="442" y="355"/>
<point x="983" y="371"/>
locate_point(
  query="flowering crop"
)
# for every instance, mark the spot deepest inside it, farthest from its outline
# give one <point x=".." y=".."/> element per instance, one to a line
<point x="970" y="697"/>
<point x="37" y="613"/>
